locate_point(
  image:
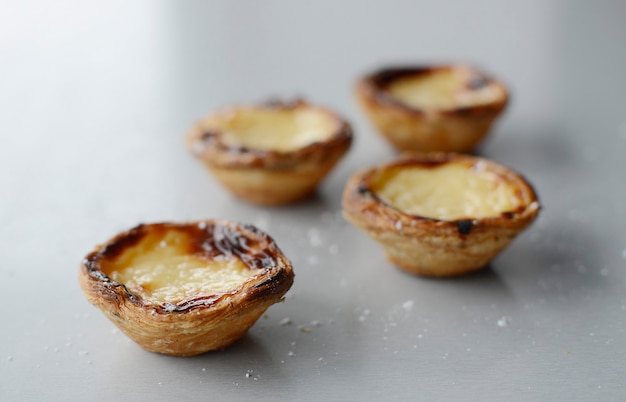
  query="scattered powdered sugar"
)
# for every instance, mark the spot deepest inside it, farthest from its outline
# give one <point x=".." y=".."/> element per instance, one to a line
<point x="315" y="238"/>
<point x="398" y="225"/>
<point x="292" y="352"/>
<point x="304" y="329"/>
<point x="250" y="374"/>
<point x="479" y="166"/>
<point x="285" y="321"/>
<point x="202" y="225"/>
<point x="408" y="305"/>
<point x="503" y="322"/>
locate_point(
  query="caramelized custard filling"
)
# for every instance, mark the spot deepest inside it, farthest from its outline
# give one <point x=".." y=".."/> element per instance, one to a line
<point x="446" y="192"/>
<point x="444" y="89"/>
<point x="274" y="129"/>
<point x="180" y="278"/>
<point x="161" y="269"/>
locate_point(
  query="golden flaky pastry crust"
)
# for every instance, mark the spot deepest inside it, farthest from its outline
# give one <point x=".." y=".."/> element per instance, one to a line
<point x="472" y="101"/>
<point x="195" y="324"/>
<point x="438" y="247"/>
<point x="271" y="174"/>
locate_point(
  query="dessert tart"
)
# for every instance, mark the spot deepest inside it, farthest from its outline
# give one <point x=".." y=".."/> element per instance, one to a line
<point x="440" y="214"/>
<point x="186" y="288"/>
<point x="445" y="108"/>
<point x="271" y="154"/>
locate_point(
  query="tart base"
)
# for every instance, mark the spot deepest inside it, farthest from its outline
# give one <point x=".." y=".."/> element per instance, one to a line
<point x="437" y="247"/>
<point x="204" y="335"/>
<point x="418" y="129"/>
<point x="195" y="324"/>
<point x="272" y="176"/>
<point x="437" y="255"/>
<point x="272" y="187"/>
<point x="430" y="132"/>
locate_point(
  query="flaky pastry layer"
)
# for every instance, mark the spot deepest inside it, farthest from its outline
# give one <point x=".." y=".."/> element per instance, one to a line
<point x="271" y="154"/>
<point x="443" y="108"/>
<point x="185" y="289"/>
<point x="425" y="242"/>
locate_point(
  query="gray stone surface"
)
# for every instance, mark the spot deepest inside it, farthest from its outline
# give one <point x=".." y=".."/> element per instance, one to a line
<point x="95" y="99"/>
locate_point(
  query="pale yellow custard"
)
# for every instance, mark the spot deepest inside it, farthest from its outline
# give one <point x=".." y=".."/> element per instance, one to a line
<point x="161" y="271"/>
<point x="446" y="192"/>
<point x="183" y="277"/>
<point x="273" y="129"/>
<point x="441" y="89"/>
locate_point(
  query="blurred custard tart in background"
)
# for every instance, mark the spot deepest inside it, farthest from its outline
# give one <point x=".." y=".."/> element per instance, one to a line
<point x="440" y="214"/>
<point x="186" y="289"/>
<point x="271" y="154"/>
<point x="443" y="108"/>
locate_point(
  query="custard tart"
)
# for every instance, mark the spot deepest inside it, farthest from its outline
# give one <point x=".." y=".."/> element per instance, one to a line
<point x="442" y="108"/>
<point x="186" y="288"/>
<point x="440" y="214"/>
<point x="271" y="154"/>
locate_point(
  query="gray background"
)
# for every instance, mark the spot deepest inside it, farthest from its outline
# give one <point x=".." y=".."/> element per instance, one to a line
<point x="95" y="99"/>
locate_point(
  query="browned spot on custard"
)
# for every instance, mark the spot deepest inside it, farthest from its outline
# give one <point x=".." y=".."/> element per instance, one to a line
<point x="465" y="226"/>
<point x="383" y="78"/>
